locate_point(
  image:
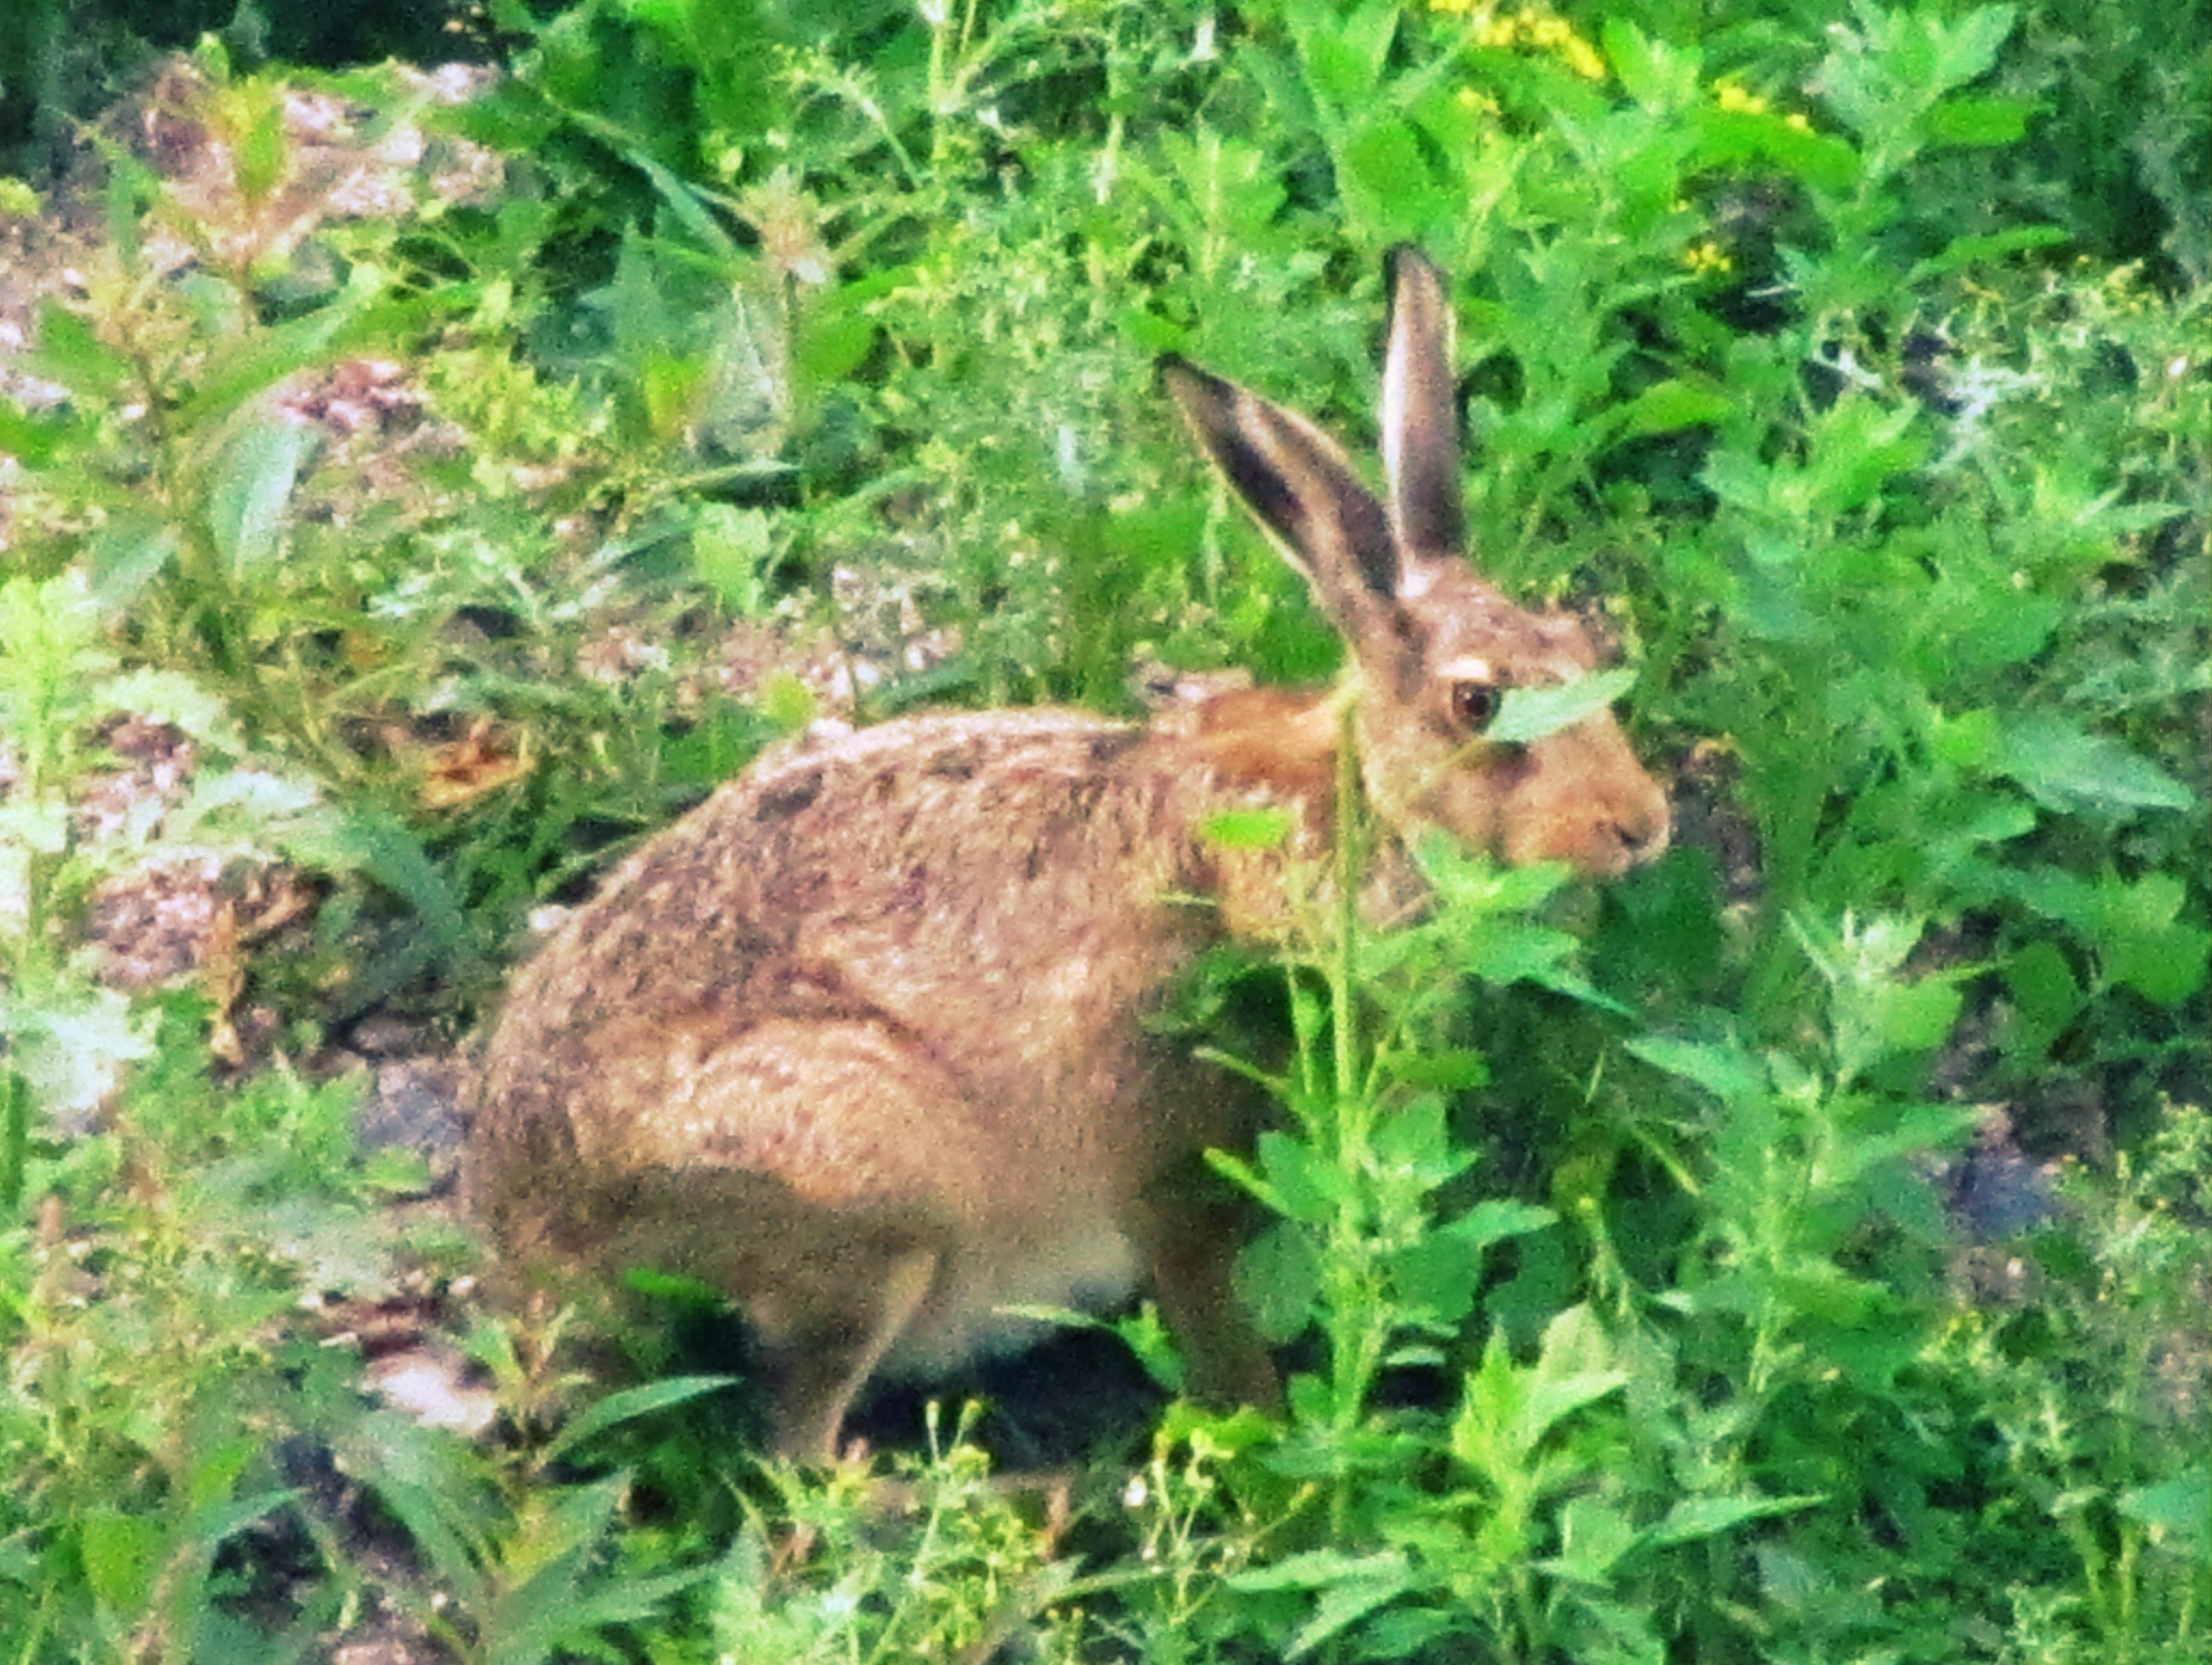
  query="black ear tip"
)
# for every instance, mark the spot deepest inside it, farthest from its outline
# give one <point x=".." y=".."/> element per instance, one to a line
<point x="1400" y="256"/>
<point x="1180" y="379"/>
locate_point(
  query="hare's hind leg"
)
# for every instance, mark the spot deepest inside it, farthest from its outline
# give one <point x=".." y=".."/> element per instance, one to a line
<point x="820" y="1371"/>
<point x="829" y="1289"/>
<point x="820" y="1173"/>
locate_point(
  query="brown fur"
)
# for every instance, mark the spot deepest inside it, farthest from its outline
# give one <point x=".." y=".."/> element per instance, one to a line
<point x="863" y="1040"/>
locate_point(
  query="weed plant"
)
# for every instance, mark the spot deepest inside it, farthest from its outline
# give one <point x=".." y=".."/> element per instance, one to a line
<point x="1800" y="1252"/>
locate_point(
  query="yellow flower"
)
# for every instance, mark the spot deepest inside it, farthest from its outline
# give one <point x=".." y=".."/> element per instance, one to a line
<point x="1796" y="119"/>
<point x="1531" y="27"/>
<point x="1730" y="96"/>
<point x="1707" y="258"/>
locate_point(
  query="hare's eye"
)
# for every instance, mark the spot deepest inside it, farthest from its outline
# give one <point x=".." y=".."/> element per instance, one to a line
<point x="1474" y="704"/>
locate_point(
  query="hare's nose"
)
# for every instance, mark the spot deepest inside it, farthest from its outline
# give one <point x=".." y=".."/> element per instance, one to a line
<point x="1644" y="830"/>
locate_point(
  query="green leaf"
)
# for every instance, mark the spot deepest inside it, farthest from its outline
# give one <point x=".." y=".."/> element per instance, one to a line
<point x="47" y="658"/>
<point x="1406" y="1632"/>
<point x="127" y="554"/>
<point x="1319" y="1569"/>
<point x="1387" y="180"/>
<point x="71" y="1046"/>
<point x="1691" y="1519"/>
<point x="33" y="440"/>
<point x="1438" y="1275"/>
<point x="1858" y="445"/>
<point x="1667" y="405"/>
<point x="1228" y="187"/>
<point x="121" y="1554"/>
<point x="1246" y="829"/>
<point x="2181" y="1506"/>
<point x="1505" y="1412"/>
<point x="1436" y="1278"/>
<point x="252" y="483"/>
<point x="559" y="1601"/>
<point x="733" y="554"/>
<point x="627" y="1406"/>
<point x="1415" y="1142"/>
<point x="1445" y="1068"/>
<point x="1978" y="121"/>
<point x="1278" y="1278"/>
<point x="1983" y="246"/>
<point x="2166" y="966"/>
<point x="1346" y="1603"/>
<point x="1345" y="52"/>
<point x="172" y="697"/>
<point x="670" y="386"/>
<point x="1551" y="1399"/>
<point x="1728" y="138"/>
<point x="2144" y="944"/>
<point x="371" y="840"/>
<point x="673" y="1291"/>
<point x="217" y="1519"/>
<point x="1148" y="1338"/>
<point x="688" y="206"/>
<point x="787" y="701"/>
<point x="2063" y="766"/>
<point x="286" y="349"/>
<point x="1531" y="713"/>
<point x="1484" y="1430"/>
<point x="1907" y="1017"/>
<point x="1593" y="1537"/>
<point x="1300" y="1184"/>
<point x="68" y="351"/>
<point x="433" y="1482"/>
<point x="258" y="164"/>
<point x="1659" y="77"/>
<point x="1498" y="1219"/>
<point x="1506" y="951"/>
<point x="830" y="342"/>
<point x="1722" y="1068"/>
<point x="1967" y="48"/>
<point x="1148" y="330"/>
<point x="2044" y="996"/>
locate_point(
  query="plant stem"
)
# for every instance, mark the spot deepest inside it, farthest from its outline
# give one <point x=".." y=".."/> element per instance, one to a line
<point x="15" y="1137"/>
<point x="1347" y="906"/>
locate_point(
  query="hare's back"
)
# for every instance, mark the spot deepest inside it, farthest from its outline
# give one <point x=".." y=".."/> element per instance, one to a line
<point x="995" y="893"/>
<point x="916" y="850"/>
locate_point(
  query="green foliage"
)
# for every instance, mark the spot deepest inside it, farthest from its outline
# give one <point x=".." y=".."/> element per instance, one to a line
<point x="144" y="1420"/>
<point x="1623" y="1245"/>
<point x="2080" y="118"/>
<point x="68" y="1036"/>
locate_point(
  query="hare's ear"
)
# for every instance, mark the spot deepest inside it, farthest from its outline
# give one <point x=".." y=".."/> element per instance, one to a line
<point x="1302" y="490"/>
<point x="1421" y="416"/>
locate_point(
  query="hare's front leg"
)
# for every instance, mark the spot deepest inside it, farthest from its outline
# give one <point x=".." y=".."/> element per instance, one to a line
<point x="1189" y="1241"/>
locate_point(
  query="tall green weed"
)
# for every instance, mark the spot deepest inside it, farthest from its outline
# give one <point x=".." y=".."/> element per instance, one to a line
<point x="1624" y="1285"/>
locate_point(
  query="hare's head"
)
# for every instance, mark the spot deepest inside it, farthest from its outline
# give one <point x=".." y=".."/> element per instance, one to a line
<point x="1436" y="648"/>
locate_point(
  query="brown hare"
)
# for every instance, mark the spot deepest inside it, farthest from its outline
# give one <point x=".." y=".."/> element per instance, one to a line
<point x="862" y="1040"/>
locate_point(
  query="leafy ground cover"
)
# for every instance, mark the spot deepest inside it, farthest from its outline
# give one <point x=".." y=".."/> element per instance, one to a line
<point x="418" y="485"/>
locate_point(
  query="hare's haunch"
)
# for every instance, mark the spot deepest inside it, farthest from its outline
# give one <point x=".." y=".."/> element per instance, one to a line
<point x="862" y="1040"/>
